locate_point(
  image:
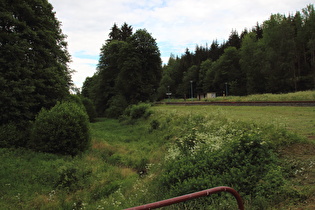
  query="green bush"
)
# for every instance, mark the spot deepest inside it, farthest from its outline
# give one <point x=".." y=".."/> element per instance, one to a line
<point x="117" y="105"/>
<point x="83" y="102"/>
<point x="63" y="130"/>
<point x="71" y="177"/>
<point x="90" y="108"/>
<point x="138" y="111"/>
<point x="247" y="165"/>
<point x="154" y="125"/>
<point x="212" y="152"/>
<point x="14" y="134"/>
<point x="74" y="99"/>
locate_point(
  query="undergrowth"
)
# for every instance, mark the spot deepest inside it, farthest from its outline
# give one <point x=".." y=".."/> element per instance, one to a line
<point x="152" y="155"/>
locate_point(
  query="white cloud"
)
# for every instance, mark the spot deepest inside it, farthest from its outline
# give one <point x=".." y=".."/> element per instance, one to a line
<point x="176" y="24"/>
<point x="84" y="68"/>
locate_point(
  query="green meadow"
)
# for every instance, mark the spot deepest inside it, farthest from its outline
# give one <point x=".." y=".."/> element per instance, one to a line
<point x="265" y="153"/>
<point x="293" y="96"/>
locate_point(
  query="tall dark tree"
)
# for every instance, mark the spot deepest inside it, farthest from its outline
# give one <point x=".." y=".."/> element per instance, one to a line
<point x="115" y="33"/>
<point x="278" y="40"/>
<point x="126" y="31"/>
<point x="234" y="40"/>
<point x="227" y="70"/>
<point x="129" y="71"/>
<point x="258" y="30"/>
<point x="208" y="74"/>
<point x="215" y="51"/>
<point x="120" y="34"/>
<point x="140" y="65"/>
<point x="109" y="69"/>
<point x="309" y="31"/>
<point x="33" y="59"/>
<point x="251" y="61"/>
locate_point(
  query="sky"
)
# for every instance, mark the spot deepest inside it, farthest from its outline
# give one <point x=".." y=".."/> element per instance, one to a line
<point x="175" y="24"/>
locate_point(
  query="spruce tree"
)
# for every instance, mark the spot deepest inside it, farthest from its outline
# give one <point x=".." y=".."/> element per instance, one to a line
<point x="33" y="59"/>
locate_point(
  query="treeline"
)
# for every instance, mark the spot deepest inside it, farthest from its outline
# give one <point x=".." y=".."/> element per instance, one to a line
<point x="129" y="71"/>
<point x="277" y="56"/>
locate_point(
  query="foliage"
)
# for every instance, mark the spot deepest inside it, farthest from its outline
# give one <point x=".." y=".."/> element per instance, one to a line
<point x="121" y="168"/>
<point x="15" y="134"/>
<point x="71" y="178"/>
<point x="129" y="70"/>
<point x="138" y="111"/>
<point x="117" y="105"/>
<point x="63" y="130"/>
<point x="276" y="56"/>
<point x="85" y="103"/>
<point x="90" y="108"/>
<point x="216" y="152"/>
<point x="33" y="60"/>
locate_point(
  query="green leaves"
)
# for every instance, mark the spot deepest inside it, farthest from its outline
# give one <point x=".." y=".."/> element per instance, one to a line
<point x="211" y="151"/>
<point x="63" y="130"/>
<point x="33" y="60"/>
<point x="274" y="57"/>
<point x="129" y="71"/>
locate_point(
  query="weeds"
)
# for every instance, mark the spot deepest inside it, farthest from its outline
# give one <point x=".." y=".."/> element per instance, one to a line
<point x="170" y="153"/>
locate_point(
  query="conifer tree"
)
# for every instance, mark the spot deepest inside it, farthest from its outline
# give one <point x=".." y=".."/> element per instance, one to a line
<point x="33" y="59"/>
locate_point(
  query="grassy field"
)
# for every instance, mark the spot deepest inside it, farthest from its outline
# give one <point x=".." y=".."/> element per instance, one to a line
<point x="120" y="169"/>
<point x="297" y="119"/>
<point x="297" y="96"/>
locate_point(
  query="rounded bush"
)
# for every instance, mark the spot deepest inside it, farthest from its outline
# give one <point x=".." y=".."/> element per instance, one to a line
<point x="138" y="111"/>
<point x="62" y="130"/>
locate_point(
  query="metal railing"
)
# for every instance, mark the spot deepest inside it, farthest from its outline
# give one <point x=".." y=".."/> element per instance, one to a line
<point x="190" y="197"/>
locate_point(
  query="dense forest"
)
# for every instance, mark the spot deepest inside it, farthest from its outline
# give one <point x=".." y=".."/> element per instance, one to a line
<point x="274" y="57"/>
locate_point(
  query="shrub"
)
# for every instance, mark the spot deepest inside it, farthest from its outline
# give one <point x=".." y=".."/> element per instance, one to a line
<point x="213" y="152"/>
<point x="63" y="130"/>
<point x="14" y="134"/>
<point x="74" y="99"/>
<point x="154" y="125"/>
<point x="90" y="108"/>
<point x="138" y="111"/>
<point x="117" y="105"/>
<point x="71" y="177"/>
<point x="83" y="102"/>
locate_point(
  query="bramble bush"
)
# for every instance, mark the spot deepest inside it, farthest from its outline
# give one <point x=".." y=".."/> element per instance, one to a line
<point x="62" y="130"/>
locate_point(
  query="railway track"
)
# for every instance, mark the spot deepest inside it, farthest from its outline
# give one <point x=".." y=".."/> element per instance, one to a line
<point x="249" y="103"/>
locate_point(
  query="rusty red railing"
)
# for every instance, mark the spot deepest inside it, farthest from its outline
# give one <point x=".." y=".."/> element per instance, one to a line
<point x="190" y="197"/>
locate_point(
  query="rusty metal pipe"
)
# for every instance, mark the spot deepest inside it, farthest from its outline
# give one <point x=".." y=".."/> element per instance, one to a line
<point x="191" y="196"/>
